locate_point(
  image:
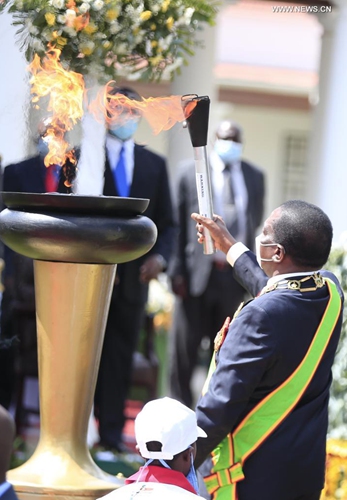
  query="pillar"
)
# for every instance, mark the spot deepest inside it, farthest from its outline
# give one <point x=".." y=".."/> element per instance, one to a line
<point x="327" y="171"/>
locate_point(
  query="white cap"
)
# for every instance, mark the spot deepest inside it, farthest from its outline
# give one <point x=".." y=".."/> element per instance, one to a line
<point x="171" y="423"/>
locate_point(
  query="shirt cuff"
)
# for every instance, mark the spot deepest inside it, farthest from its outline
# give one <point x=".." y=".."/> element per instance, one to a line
<point x="235" y="252"/>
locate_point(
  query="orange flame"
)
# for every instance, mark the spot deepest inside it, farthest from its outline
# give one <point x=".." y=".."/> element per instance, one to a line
<point x="66" y="94"/>
<point x="162" y="113"/>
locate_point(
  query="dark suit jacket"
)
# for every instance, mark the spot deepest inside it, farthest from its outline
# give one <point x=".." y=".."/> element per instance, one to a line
<point x="189" y="260"/>
<point x="150" y="180"/>
<point x="28" y="176"/>
<point x="9" y="494"/>
<point x="264" y="345"/>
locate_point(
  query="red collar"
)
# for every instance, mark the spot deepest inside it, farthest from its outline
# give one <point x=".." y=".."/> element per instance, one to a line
<point x="157" y="474"/>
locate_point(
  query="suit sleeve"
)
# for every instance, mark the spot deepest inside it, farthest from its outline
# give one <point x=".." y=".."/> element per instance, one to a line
<point x="178" y="267"/>
<point x="246" y="354"/>
<point x="164" y="218"/>
<point x="249" y="274"/>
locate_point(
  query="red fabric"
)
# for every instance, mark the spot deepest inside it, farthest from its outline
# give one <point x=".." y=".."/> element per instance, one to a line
<point x="157" y="474"/>
<point x="51" y="182"/>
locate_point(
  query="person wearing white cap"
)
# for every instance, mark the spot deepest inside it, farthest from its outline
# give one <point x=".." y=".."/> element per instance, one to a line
<point x="166" y="432"/>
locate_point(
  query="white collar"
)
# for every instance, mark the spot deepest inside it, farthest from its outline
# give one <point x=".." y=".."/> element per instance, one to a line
<point x="280" y="277"/>
<point x="114" y="142"/>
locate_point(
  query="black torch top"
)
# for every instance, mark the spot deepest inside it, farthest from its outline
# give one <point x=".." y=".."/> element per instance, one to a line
<point x="196" y="111"/>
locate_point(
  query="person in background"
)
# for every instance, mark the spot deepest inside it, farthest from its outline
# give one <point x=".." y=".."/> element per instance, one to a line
<point x="205" y="289"/>
<point x="7" y="433"/>
<point x="18" y="316"/>
<point x="265" y="404"/>
<point x="135" y="171"/>
<point x="166" y="433"/>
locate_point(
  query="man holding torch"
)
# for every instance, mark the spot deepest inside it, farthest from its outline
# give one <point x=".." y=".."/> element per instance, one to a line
<point x="264" y="405"/>
<point x="205" y="289"/>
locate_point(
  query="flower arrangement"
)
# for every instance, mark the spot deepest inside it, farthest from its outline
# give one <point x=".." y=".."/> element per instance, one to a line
<point x="336" y="471"/>
<point x="337" y="263"/>
<point x="138" y="39"/>
<point x="160" y="303"/>
<point x="336" y="466"/>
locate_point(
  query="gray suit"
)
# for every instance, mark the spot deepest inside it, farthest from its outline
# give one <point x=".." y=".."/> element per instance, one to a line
<point x="211" y="291"/>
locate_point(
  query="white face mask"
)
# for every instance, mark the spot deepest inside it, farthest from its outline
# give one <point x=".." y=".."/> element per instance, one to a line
<point x="259" y="244"/>
<point x="228" y="151"/>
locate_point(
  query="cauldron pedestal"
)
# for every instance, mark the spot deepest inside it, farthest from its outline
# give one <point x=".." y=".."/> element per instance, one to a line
<point x="76" y="243"/>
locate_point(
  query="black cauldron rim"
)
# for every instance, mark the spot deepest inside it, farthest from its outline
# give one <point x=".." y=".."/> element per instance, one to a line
<point x="74" y="204"/>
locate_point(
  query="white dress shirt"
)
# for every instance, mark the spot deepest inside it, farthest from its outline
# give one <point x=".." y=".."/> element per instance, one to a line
<point x="113" y="148"/>
<point x="239" y="188"/>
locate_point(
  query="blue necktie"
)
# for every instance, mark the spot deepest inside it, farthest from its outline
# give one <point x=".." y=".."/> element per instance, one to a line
<point x="120" y="175"/>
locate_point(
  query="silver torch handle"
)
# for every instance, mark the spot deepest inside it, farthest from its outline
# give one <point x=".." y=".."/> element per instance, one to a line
<point x="196" y="111"/>
<point x="203" y="186"/>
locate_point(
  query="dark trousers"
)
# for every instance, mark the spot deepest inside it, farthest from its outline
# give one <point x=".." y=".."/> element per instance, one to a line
<point x="122" y="331"/>
<point x="310" y="496"/>
<point x="195" y="318"/>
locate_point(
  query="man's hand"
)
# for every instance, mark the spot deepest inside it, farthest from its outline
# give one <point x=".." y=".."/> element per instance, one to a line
<point x="217" y="228"/>
<point x="150" y="269"/>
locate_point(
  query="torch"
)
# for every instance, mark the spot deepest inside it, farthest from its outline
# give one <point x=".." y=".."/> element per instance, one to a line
<point x="196" y="110"/>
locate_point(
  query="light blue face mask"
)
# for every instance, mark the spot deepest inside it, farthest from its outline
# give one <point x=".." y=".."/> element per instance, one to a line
<point x="228" y="151"/>
<point x="191" y="476"/>
<point x="126" y="131"/>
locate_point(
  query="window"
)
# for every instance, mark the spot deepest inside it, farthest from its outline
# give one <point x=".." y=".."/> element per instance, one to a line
<point x="294" y="165"/>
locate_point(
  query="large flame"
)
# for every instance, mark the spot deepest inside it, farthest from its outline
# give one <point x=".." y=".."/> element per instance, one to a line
<point x="162" y="113"/>
<point x="66" y="94"/>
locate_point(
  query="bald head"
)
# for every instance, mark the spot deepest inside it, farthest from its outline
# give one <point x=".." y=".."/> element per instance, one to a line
<point x="229" y="131"/>
<point x="7" y="433"/>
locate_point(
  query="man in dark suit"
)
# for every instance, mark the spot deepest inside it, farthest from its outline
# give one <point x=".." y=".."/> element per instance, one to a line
<point x="205" y="289"/>
<point x="7" y="432"/>
<point x="267" y="401"/>
<point x="31" y="176"/>
<point x="130" y="170"/>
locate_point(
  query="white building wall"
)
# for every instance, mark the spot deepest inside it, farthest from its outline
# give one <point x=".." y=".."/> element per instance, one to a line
<point x="14" y="96"/>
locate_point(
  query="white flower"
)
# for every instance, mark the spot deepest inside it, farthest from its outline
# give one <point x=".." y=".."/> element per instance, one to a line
<point x="114" y="28"/>
<point x="57" y="4"/>
<point x="167" y="73"/>
<point x="155" y="8"/>
<point x="188" y="15"/>
<point x="149" y="50"/>
<point x="19" y="4"/>
<point x="138" y="39"/>
<point x="120" y="48"/>
<point x="87" y="47"/>
<point x="70" y="31"/>
<point x="84" y="7"/>
<point x="33" y="30"/>
<point x="164" y="43"/>
<point x="61" y="19"/>
<point x="37" y="45"/>
<point x="70" y="15"/>
<point x="98" y="4"/>
<point x="100" y="36"/>
<point x="46" y="35"/>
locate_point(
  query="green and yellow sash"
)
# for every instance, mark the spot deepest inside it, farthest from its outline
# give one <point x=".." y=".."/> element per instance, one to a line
<point x="230" y="455"/>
